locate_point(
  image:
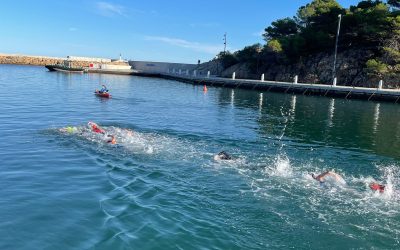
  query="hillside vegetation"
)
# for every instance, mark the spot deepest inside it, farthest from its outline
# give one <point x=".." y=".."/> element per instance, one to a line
<point x="368" y="45"/>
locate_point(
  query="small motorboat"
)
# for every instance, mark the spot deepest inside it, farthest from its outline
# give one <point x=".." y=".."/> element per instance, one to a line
<point x="65" y="69"/>
<point x="102" y="94"/>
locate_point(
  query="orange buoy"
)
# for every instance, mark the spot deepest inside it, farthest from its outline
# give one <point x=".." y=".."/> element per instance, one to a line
<point x="205" y="88"/>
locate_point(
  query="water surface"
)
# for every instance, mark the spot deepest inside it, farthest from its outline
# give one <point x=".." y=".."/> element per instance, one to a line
<point x="160" y="188"/>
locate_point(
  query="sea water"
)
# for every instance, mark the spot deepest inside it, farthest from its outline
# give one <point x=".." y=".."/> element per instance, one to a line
<point x="159" y="187"/>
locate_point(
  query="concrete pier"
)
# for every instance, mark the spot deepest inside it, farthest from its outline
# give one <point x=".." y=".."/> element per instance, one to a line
<point x="347" y="92"/>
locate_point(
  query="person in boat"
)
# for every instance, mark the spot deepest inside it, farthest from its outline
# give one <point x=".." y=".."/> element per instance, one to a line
<point x="224" y="156"/>
<point x="322" y="178"/>
<point x="96" y="128"/>
<point x="111" y="139"/>
<point x="103" y="89"/>
<point x="377" y="187"/>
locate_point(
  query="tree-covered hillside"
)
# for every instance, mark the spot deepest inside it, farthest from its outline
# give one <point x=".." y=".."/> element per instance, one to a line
<point x="372" y="26"/>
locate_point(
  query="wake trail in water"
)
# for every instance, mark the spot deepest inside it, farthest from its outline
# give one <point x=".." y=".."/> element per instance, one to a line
<point x="272" y="177"/>
<point x="134" y="143"/>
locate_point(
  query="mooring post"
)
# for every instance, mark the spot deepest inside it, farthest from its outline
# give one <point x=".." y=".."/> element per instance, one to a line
<point x="234" y="76"/>
<point x="380" y="86"/>
<point x="334" y="82"/>
<point x="208" y="74"/>
<point x="262" y="77"/>
<point x="296" y="78"/>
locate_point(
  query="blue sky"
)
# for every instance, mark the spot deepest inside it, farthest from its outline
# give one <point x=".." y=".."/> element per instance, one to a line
<point x="153" y="30"/>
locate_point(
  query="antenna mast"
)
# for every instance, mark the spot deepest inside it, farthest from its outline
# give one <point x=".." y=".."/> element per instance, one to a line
<point x="224" y="43"/>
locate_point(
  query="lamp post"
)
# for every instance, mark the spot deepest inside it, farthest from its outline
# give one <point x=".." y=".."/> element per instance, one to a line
<point x="258" y="50"/>
<point x="336" y="46"/>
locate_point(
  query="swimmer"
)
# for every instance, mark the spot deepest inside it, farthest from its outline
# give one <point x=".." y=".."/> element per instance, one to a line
<point x="69" y="129"/>
<point x="111" y="139"/>
<point x="377" y="187"/>
<point x="322" y="177"/>
<point x="96" y="128"/>
<point x="129" y="132"/>
<point x="222" y="156"/>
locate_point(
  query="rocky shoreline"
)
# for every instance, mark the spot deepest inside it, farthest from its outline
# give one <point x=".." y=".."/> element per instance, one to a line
<point x="351" y="70"/>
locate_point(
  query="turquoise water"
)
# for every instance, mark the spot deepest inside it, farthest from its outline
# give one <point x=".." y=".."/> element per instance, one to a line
<point x="159" y="187"/>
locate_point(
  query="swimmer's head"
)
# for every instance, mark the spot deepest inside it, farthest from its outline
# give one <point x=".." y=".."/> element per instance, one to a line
<point x="222" y="156"/>
<point x="92" y="125"/>
<point x="313" y="175"/>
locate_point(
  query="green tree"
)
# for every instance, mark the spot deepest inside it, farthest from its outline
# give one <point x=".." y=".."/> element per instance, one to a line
<point x="249" y="53"/>
<point x="376" y="67"/>
<point x="281" y="28"/>
<point x="319" y="13"/>
<point x="227" y="59"/>
<point x="391" y="46"/>
<point x="366" y="24"/>
<point x="319" y="20"/>
<point x="274" y="45"/>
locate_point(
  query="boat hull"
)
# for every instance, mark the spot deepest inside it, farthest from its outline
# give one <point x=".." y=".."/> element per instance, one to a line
<point x="103" y="95"/>
<point x="111" y="71"/>
<point x="64" y="69"/>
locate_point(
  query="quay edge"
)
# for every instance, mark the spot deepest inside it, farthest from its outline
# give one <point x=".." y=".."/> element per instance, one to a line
<point x="347" y="92"/>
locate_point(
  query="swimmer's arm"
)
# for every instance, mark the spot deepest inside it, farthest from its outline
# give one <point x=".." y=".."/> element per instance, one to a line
<point x="322" y="176"/>
<point x="337" y="177"/>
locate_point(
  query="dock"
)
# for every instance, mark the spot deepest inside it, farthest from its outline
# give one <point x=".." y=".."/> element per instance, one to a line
<point x="347" y="92"/>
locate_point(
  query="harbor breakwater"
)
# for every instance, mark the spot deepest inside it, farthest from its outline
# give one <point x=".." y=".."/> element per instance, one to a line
<point x="39" y="60"/>
<point x="29" y="60"/>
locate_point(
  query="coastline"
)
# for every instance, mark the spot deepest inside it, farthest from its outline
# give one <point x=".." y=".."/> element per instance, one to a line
<point x="346" y="92"/>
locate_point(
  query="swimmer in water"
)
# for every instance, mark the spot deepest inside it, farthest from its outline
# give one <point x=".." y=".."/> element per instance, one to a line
<point x="96" y="128"/>
<point x="222" y="156"/>
<point x="69" y="129"/>
<point x="377" y="187"/>
<point x="321" y="178"/>
<point x="111" y="139"/>
<point x="129" y="132"/>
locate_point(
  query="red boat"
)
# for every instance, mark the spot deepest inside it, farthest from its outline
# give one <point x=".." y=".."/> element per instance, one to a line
<point x="102" y="94"/>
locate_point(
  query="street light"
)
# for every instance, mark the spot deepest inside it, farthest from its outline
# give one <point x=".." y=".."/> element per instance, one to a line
<point x="336" y="46"/>
<point x="258" y="50"/>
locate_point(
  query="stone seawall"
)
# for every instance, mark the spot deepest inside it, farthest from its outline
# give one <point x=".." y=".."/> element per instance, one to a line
<point x="38" y="60"/>
<point x="29" y="60"/>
